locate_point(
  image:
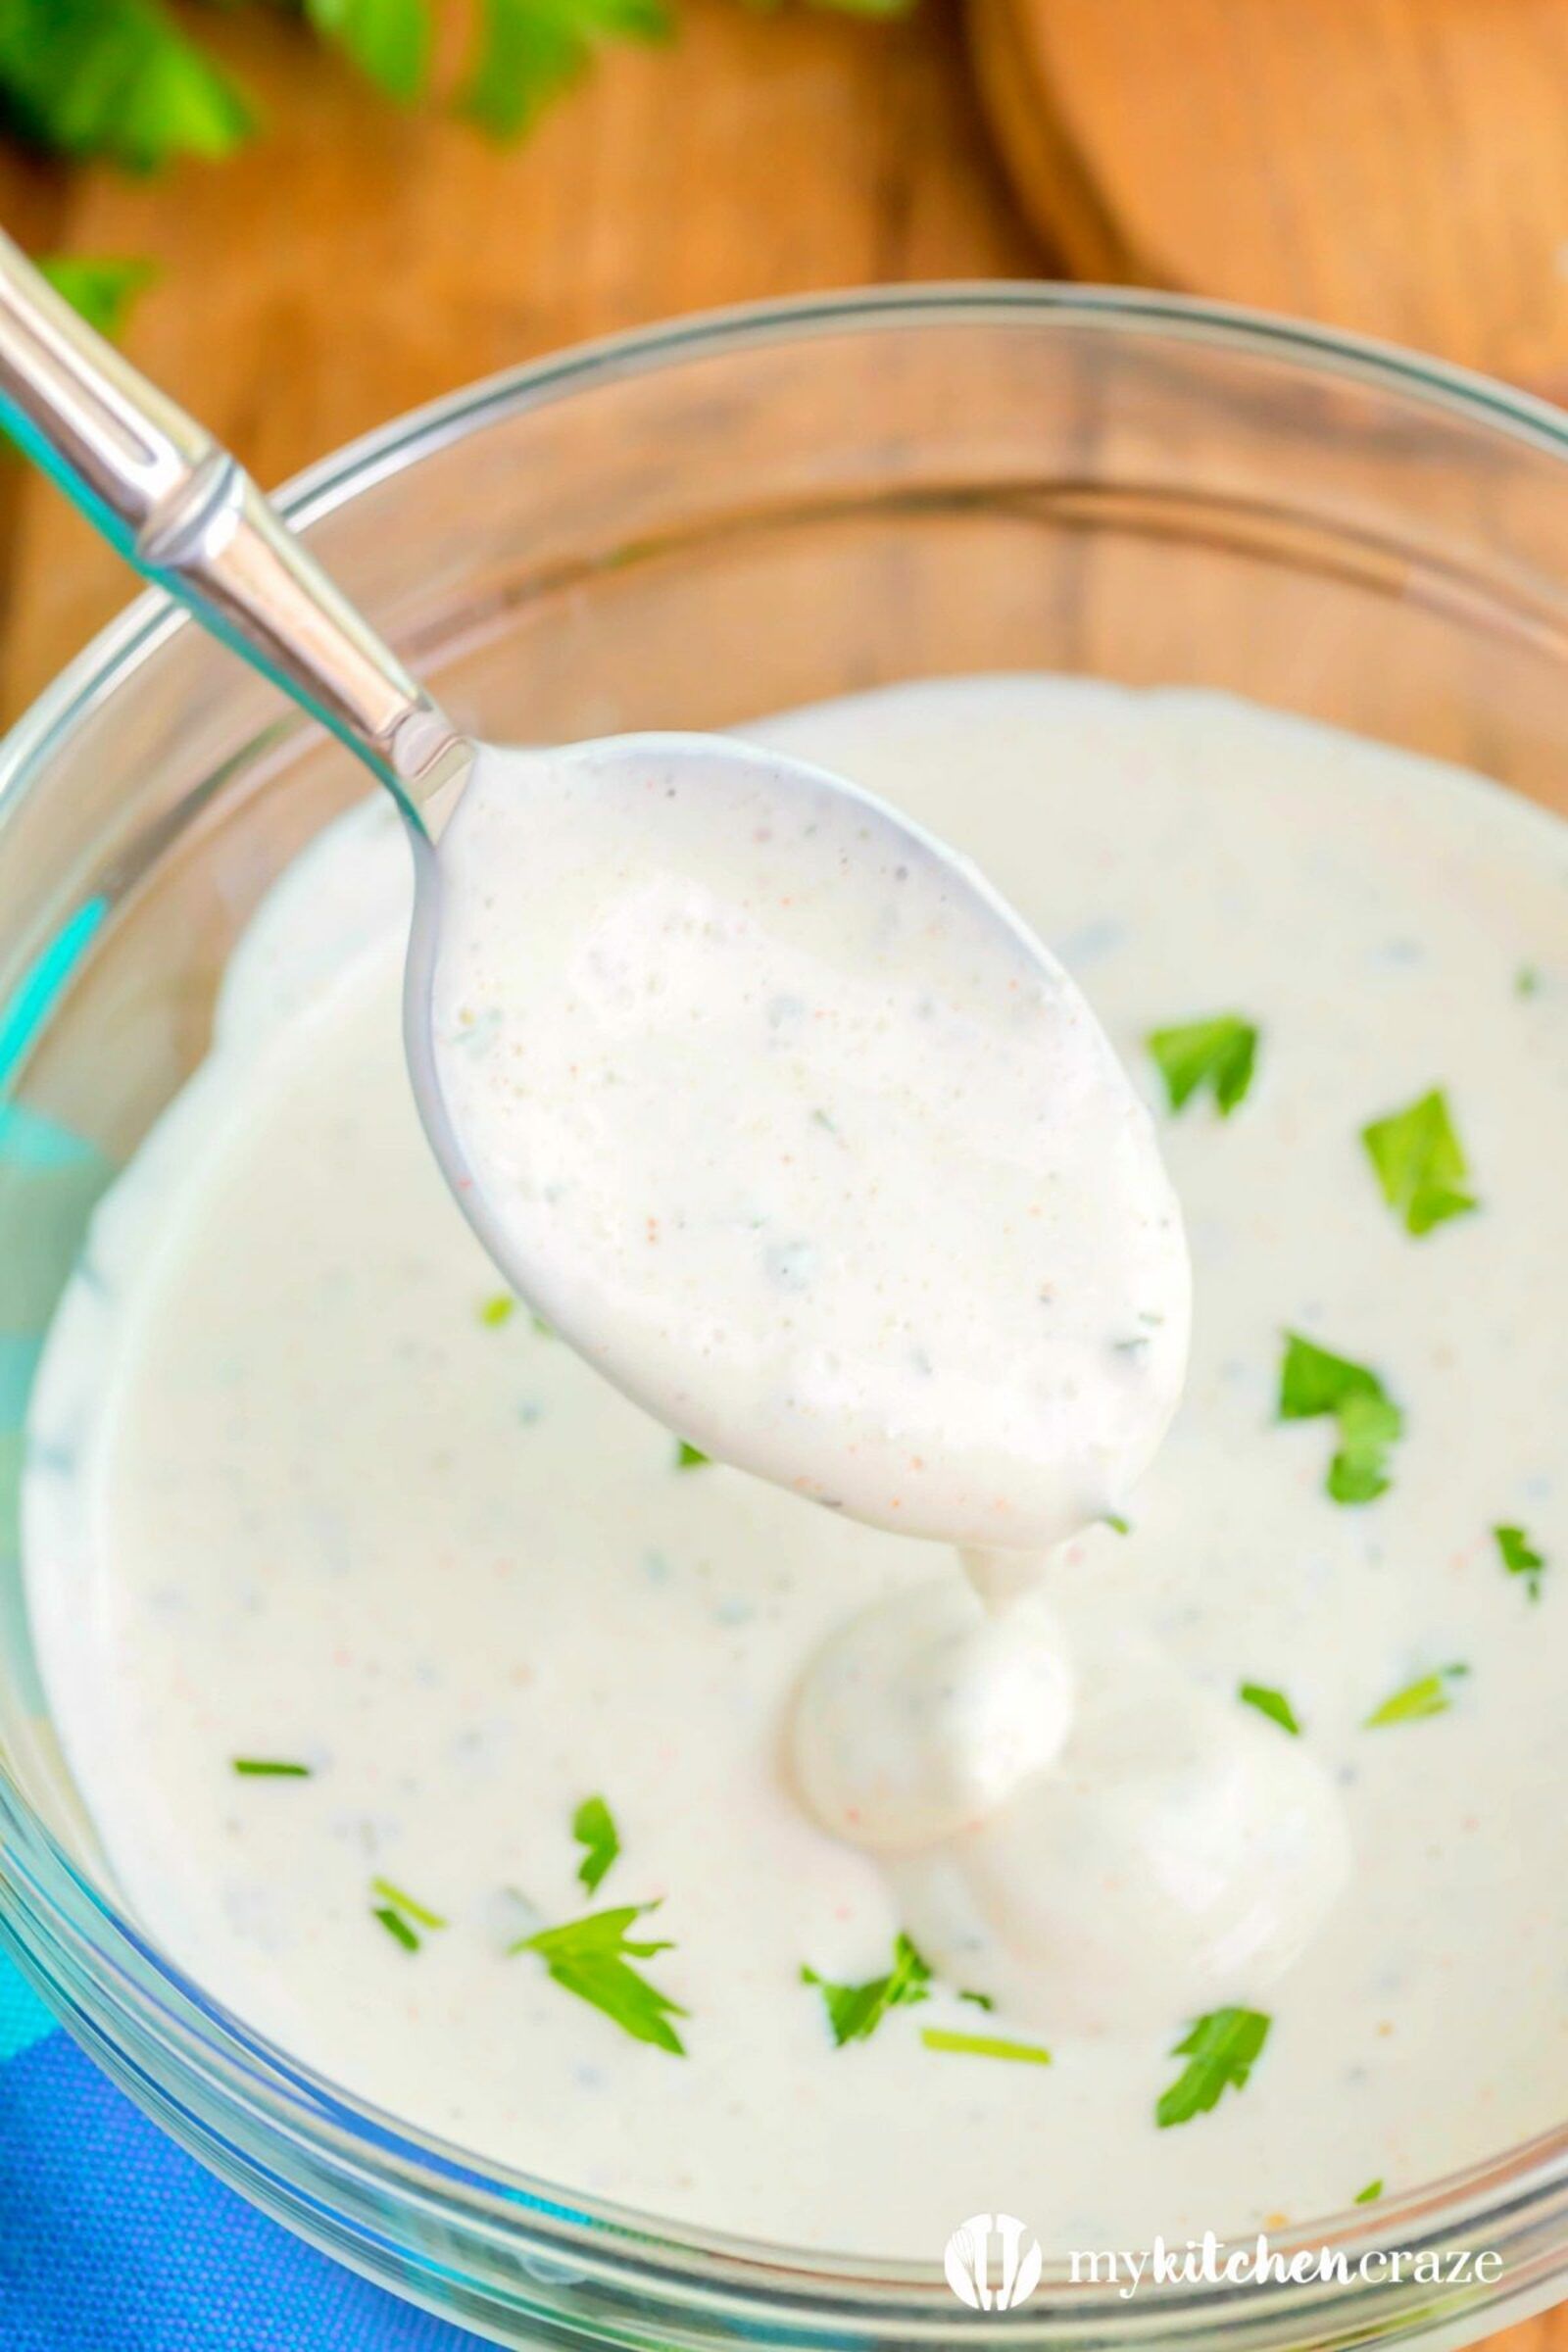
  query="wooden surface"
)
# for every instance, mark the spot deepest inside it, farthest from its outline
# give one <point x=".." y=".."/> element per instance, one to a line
<point x="354" y="263"/>
<point x="1394" y="165"/>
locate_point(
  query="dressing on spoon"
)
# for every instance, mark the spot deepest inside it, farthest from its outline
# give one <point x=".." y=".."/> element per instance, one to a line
<point x="757" y="1093"/>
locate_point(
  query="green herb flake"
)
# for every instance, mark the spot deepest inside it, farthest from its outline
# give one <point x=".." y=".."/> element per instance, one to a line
<point x="1117" y="1522"/>
<point x="690" y="1457"/>
<point x="592" y="1825"/>
<point x="389" y="40"/>
<point x="854" y="2011"/>
<point x="1370" y="2194"/>
<point x="1520" y="1558"/>
<point x="985" y="2045"/>
<point x="1312" y="1383"/>
<point x="405" y="1905"/>
<point x="396" y="1927"/>
<point x="592" y="1957"/>
<point x="102" y="290"/>
<point x="1221" y="2052"/>
<point x="981" y="2000"/>
<point x="1272" y="1703"/>
<point x="497" y="1310"/>
<point x="1219" y="1054"/>
<point x="1420" y="1163"/>
<point x="1429" y="1695"/>
<point x="529" y="51"/>
<point x="1527" y="981"/>
<point x="270" y="1768"/>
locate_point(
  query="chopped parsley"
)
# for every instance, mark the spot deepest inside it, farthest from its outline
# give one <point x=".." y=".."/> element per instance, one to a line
<point x="1527" y="981"/>
<point x="1221" y="2052"/>
<point x="397" y="1912"/>
<point x="854" y="2011"/>
<point x="1219" y="1054"/>
<point x="270" y="1768"/>
<point x="1520" y="1558"/>
<point x="690" y="1457"/>
<point x="102" y="290"/>
<point x="1370" y="2194"/>
<point x="1115" y="1521"/>
<point x="1428" y="1694"/>
<point x="396" y="1927"/>
<point x="985" y="2045"/>
<point x="389" y="40"/>
<point x="594" y="1828"/>
<point x="1420" y="1163"/>
<point x="497" y="1310"/>
<point x="1314" y="1383"/>
<point x="592" y="1957"/>
<point x="117" y="79"/>
<point x="529" y="51"/>
<point x="1272" y="1703"/>
<point x="981" y="2000"/>
<point x="406" y="1903"/>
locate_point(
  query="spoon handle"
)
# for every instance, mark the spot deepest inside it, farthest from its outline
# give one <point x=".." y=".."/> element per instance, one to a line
<point x="176" y="505"/>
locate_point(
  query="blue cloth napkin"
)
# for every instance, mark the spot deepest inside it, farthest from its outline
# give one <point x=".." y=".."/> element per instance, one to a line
<point x="112" y="2239"/>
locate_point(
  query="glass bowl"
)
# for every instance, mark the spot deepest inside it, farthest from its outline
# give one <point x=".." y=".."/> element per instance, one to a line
<point x="687" y="527"/>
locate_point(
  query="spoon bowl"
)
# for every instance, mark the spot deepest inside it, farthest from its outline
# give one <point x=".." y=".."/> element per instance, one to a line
<point x="757" y="1093"/>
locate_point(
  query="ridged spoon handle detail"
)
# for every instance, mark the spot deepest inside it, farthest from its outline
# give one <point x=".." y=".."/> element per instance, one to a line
<point x="176" y="505"/>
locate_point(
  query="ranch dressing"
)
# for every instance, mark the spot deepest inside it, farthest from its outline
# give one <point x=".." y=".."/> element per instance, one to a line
<point x="303" y="1487"/>
<point x="793" y="1129"/>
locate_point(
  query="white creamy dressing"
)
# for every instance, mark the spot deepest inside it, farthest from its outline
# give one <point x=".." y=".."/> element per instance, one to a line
<point x="296" y="1493"/>
<point x="779" y="1118"/>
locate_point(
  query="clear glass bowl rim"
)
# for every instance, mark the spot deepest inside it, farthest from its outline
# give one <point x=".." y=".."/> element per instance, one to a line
<point x="1519" y="2196"/>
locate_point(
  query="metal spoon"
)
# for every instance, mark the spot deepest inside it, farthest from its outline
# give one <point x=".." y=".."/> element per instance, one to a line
<point x="792" y="1331"/>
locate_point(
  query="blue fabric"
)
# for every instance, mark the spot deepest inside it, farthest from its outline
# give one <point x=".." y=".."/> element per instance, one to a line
<point x="112" y="2239"/>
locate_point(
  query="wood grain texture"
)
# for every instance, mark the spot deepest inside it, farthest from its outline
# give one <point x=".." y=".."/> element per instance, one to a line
<point x="1394" y="165"/>
<point x="355" y="263"/>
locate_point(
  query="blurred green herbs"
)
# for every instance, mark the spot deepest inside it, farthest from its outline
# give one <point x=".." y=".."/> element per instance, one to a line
<point x="132" y="81"/>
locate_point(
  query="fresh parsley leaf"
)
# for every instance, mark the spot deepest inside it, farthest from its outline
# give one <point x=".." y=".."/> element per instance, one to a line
<point x="1221" y="1053"/>
<point x="1314" y="1383"/>
<point x="389" y="40"/>
<point x="270" y="1768"/>
<point x="116" y="79"/>
<point x="1420" y="1163"/>
<point x="1428" y="1694"/>
<point x="1520" y="1557"/>
<point x="396" y="1927"/>
<point x="528" y="51"/>
<point x="1272" y="1703"/>
<point x="1370" y="2194"/>
<point x="1222" y="2050"/>
<point x="592" y="1825"/>
<point x="102" y="290"/>
<point x="592" y="1959"/>
<point x="854" y="2011"/>
<point x="689" y="1457"/>
<point x="405" y="1903"/>
<point x="985" y="2045"/>
<point x="497" y="1309"/>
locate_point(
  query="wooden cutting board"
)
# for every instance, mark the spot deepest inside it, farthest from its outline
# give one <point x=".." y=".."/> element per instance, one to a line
<point x="1399" y="167"/>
